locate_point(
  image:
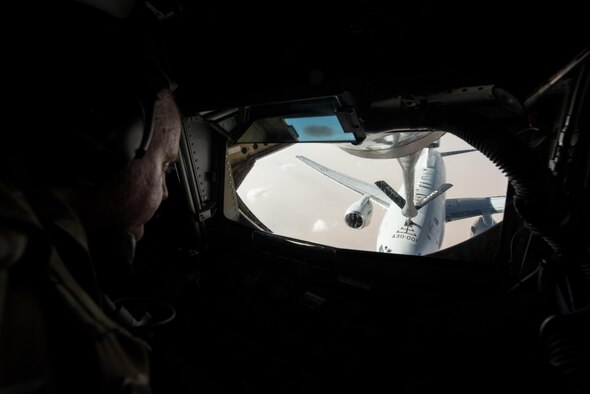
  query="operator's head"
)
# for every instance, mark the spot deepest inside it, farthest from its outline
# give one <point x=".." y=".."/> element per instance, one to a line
<point x="130" y="199"/>
<point x="113" y="127"/>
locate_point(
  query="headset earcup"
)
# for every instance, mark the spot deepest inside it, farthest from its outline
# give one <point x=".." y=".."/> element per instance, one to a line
<point x="107" y="86"/>
<point x="106" y="136"/>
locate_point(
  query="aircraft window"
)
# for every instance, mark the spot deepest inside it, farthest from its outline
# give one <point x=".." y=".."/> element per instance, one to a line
<point x="317" y="192"/>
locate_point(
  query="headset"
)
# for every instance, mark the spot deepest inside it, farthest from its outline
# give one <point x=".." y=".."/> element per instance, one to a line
<point x="108" y="84"/>
<point x="111" y="127"/>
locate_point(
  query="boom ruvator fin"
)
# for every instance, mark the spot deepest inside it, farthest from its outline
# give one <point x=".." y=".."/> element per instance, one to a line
<point x="391" y="193"/>
<point x="401" y="202"/>
<point x="425" y="200"/>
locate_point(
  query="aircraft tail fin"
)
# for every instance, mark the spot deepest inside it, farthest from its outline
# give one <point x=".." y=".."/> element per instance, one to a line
<point x="425" y="200"/>
<point x="391" y="193"/>
<point x="456" y="152"/>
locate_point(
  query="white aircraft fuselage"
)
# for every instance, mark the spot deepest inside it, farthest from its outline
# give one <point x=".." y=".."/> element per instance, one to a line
<point x="425" y="233"/>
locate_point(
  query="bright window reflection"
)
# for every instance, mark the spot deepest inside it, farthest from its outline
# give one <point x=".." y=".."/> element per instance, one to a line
<point x="326" y="128"/>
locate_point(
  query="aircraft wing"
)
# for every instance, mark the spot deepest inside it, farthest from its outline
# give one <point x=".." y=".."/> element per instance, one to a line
<point x="352" y="183"/>
<point x="461" y="208"/>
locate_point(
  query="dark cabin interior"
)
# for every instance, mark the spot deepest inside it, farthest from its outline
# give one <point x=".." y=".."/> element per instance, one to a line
<point x="255" y="312"/>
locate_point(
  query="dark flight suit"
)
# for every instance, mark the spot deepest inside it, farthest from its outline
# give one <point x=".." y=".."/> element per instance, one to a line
<point x="54" y="337"/>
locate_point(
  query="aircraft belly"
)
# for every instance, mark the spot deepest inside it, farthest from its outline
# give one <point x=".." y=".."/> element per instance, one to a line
<point x="422" y="237"/>
<point x="397" y="237"/>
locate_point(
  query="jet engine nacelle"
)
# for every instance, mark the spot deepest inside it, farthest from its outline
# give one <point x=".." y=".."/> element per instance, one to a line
<point x="358" y="214"/>
<point x="481" y="224"/>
